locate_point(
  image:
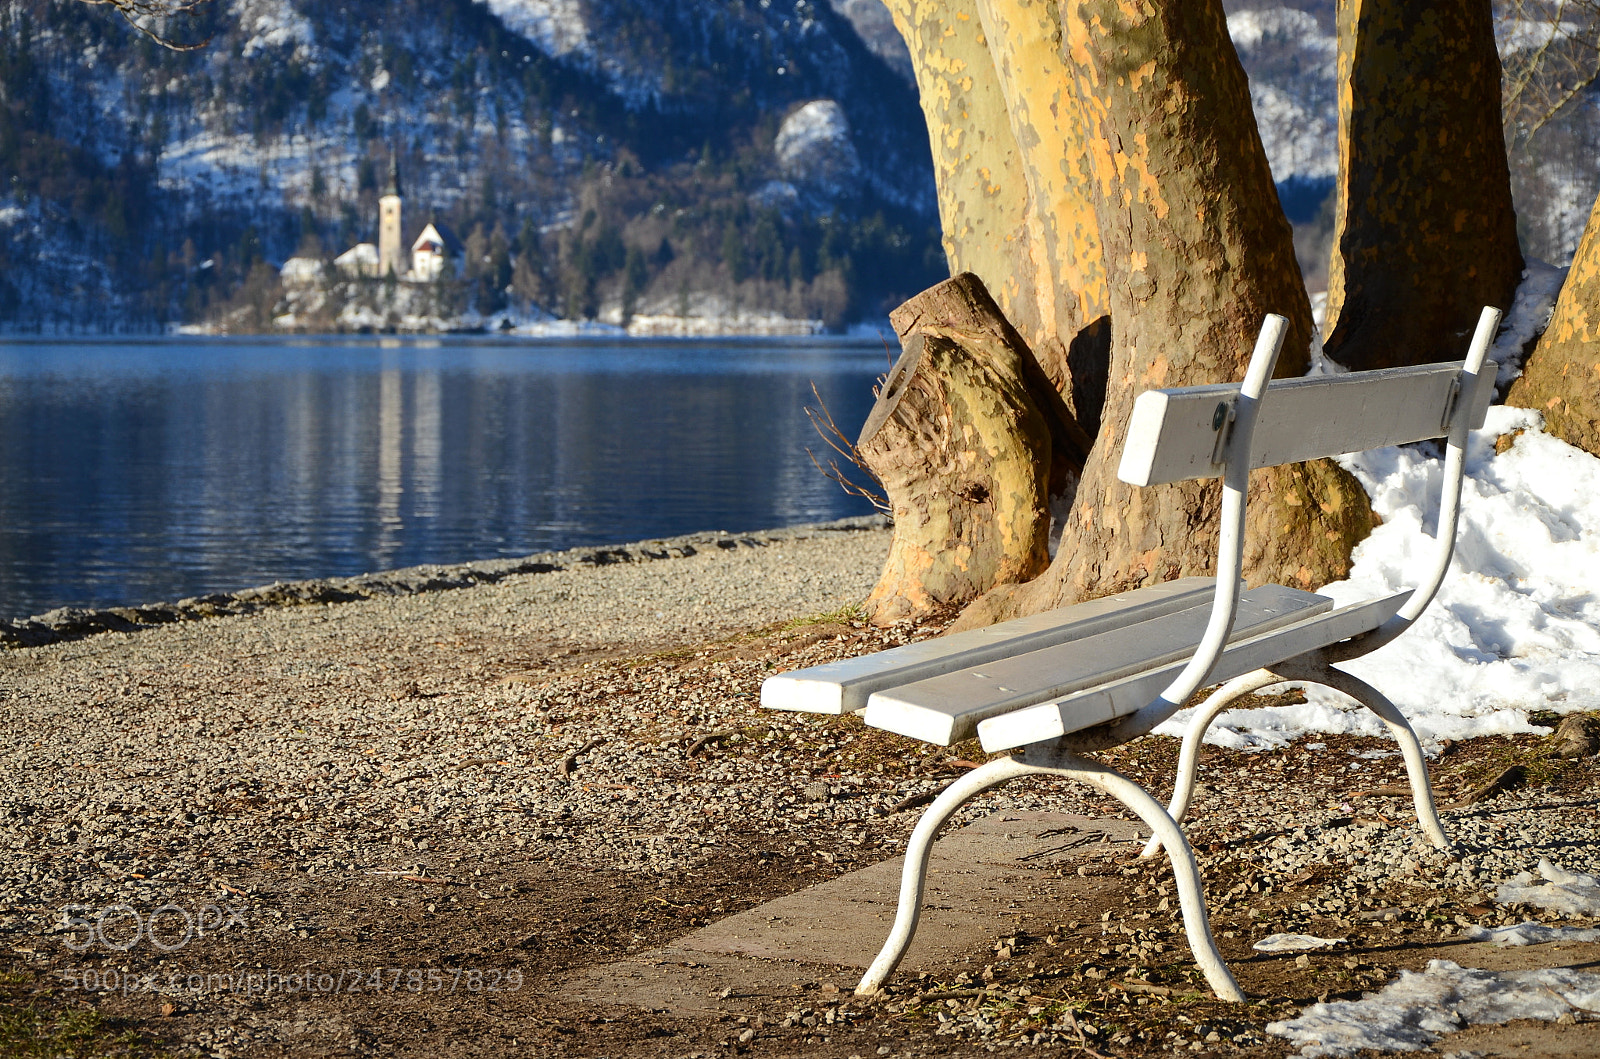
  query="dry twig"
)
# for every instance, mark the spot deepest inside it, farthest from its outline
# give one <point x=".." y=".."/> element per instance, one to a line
<point x="571" y="760"/>
<point x="837" y="440"/>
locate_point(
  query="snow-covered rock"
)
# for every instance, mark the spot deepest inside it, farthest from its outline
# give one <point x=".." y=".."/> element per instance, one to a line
<point x="814" y="149"/>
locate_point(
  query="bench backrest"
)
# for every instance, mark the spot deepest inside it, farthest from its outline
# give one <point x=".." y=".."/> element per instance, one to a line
<point x="1175" y="435"/>
<point x="1212" y="431"/>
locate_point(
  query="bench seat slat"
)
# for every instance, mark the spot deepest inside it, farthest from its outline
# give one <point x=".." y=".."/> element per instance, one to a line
<point x="845" y="686"/>
<point x="1172" y="435"/>
<point x="946" y="709"/>
<point x="1119" y="698"/>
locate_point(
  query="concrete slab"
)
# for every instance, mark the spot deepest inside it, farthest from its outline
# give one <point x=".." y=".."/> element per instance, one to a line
<point x="986" y="879"/>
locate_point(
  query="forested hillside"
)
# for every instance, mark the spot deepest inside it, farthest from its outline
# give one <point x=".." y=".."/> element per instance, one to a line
<point x="584" y="151"/>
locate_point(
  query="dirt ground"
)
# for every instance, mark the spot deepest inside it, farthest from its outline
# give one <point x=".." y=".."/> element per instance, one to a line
<point x="471" y="958"/>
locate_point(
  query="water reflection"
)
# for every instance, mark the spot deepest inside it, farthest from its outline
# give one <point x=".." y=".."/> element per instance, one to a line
<point x="136" y="471"/>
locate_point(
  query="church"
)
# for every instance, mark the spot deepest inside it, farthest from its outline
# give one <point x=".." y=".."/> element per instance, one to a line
<point x="434" y="254"/>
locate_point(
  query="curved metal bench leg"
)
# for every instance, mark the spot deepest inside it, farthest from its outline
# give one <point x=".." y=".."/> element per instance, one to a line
<point x="1410" y="749"/>
<point x="1051" y="761"/>
<point x="1199" y="724"/>
<point x="914" y="876"/>
<point x="1191" y="892"/>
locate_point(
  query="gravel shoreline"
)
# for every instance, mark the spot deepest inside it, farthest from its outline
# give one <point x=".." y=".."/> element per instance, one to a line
<point x="72" y="623"/>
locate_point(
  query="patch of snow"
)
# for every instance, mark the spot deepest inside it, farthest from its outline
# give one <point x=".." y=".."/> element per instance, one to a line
<point x="1284" y="25"/>
<point x="273" y="24"/>
<point x="1296" y="943"/>
<point x="1529" y="933"/>
<point x="1513" y="35"/>
<point x="557" y="27"/>
<point x="1571" y="893"/>
<point x="813" y="149"/>
<point x="553" y="328"/>
<point x="1299" y="141"/>
<point x="1413" y="1012"/>
<point x="1515" y="626"/>
<point x="357" y="317"/>
<point x="1527" y="319"/>
<point x="653" y="326"/>
<point x="301" y="270"/>
<point x="776" y="194"/>
<point x="1291" y="64"/>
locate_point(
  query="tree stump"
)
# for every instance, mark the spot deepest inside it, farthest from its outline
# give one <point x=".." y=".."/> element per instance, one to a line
<point x="963" y="452"/>
<point x="1562" y="376"/>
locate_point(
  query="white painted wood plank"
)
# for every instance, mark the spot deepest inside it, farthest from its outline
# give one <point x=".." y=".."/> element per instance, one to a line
<point x="1119" y="698"/>
<point x="946" y="709"/>
<point x="844" y="686"/>
<point x="1172" y="434"/>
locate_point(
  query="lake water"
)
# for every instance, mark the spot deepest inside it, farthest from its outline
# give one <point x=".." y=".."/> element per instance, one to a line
<point x="136" y="471"/>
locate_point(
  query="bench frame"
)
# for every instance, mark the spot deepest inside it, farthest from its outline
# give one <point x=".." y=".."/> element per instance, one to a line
<point x="1062" y="755"/>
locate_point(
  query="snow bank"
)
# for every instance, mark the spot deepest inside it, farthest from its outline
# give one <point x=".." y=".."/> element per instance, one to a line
<point x="814" y="150"/>
<point x="1250" y="29"/>
<point x="1572" y="893"/>
<point x="274" y="24"/>
<point x="1413" y="1012"/>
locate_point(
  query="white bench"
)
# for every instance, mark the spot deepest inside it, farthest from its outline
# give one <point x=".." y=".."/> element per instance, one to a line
<point x="1053" y="686"/>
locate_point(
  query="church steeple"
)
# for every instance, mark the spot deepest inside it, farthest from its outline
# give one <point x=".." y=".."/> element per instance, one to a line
<point x="394" y="175"/>
<point x="392" y="256"/>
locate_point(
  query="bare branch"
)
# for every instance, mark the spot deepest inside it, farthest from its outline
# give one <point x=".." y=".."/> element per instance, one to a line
<point x="146" y="15"/>
<point x="837" y="440"/>
<point x="1550" y="57"/>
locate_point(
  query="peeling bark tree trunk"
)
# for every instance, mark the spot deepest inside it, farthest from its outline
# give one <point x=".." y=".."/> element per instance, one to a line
<point x="1424" y="232"/>
<point x="1197" y="251"/>
<point x="1047" y="126"/>
<point x="1009" y="161"/>
<point x="964" y="453"/>
<point x="1562" y="376"/>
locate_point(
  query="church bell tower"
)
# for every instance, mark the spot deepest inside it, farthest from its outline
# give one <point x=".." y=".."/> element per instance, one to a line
<point x="391" y="251"/>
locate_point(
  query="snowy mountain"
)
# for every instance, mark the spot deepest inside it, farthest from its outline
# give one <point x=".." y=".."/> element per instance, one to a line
<point x="561" y="125"/>
<point x="598" y="157"/>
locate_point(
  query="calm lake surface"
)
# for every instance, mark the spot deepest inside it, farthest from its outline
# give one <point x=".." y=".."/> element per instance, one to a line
<point x="134" y="471"/>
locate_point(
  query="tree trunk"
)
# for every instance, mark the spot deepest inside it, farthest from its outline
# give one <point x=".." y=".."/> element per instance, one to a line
<point x="1197" y="252"/>
<point x="1424" y="231"/>
<point x="1011" y="216"/>
<point x="964" y="454"/>
<point x="1070" y="284"/>
<point x="1562" y="375"/>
